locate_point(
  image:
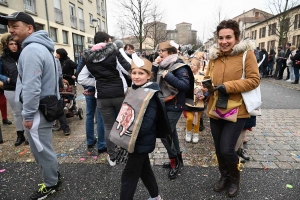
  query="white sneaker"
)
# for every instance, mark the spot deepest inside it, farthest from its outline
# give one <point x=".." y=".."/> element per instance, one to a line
<point x="111" y="163"/>
<point x="195" y="138"/>
<point x="289" y="80"/>
<point x="188" y="136"/>
<point x="156" y="198"/>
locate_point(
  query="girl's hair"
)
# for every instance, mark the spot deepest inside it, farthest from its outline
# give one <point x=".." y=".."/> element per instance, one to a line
<point x="147" y="71"/>
<point x="272" y="52"/>
<point x="232" y="24"/>
<point x="171" y="50"/>
<point x="128" y="46"/>
<point x="293" y="48"/>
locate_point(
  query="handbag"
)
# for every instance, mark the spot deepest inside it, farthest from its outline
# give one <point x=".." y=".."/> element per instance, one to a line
<point x="51" y="107"/>
<point x="252" y="98"/>
<point x="229" y="114"/>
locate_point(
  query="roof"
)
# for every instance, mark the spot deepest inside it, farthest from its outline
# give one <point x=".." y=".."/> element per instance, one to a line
<point x="183" y="23"/>
<point x="251" y="10"/>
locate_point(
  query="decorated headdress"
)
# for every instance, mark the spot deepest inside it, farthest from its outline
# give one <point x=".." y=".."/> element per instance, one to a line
<point x="141" y="63"/>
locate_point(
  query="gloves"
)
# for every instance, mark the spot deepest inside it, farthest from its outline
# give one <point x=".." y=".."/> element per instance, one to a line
<point x="221" y="89"/>
<point x="222" y="96"/>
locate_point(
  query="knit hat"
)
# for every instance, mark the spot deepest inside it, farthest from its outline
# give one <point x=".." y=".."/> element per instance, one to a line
<point x="141" y="63"/>
<point x="119" y="43"/>
<point x="168" y="44"/>
<point x="17" y="16"/>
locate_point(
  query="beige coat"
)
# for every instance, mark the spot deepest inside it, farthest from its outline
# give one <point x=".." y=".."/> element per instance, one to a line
<point x="227" y="69"/>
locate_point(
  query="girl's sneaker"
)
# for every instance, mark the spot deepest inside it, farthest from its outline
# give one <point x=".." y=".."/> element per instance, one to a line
<point x="156" y="198"/>
<point x="188" y="136"/>
<point x="195" y="138"/>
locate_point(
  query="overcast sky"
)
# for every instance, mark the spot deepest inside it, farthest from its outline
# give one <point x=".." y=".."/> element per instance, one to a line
<point x="202" y="14"/>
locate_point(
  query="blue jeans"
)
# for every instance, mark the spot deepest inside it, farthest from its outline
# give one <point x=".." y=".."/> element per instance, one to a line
<point x="91" y="108"/>
<point x="296" y="71"/>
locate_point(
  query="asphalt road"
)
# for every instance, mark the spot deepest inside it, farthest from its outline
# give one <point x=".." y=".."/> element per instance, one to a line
<point x="85" y="181"/>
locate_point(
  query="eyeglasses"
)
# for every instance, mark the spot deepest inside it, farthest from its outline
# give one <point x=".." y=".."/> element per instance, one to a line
<point x="161" y="50"/>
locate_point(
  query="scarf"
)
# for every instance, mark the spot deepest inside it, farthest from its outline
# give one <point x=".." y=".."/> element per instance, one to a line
<point x="14" y="55"/>
<point x="169" y="60"/>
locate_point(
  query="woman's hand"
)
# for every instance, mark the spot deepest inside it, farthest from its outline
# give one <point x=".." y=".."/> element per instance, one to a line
<point x="164" y="73"/>
<point x="73" y="77"/>
<point x="158" y="60"/>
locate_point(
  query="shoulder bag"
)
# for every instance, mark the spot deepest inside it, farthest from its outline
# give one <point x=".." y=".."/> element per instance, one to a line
<point x="252" y="98"/>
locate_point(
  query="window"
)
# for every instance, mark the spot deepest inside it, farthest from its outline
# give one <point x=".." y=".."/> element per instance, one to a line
<point x="81" y="20"/>
<point x="271" y="45"/>
<point x="261" y="45"/>
<point x="286" y="24"/>
<point x="53" y="34"/>
<point x="99" y="24"/>
<point x="78" y="45"/>
<point x="297" y="22"/>
<point x="91" y="19"/>
<point x="262" y="32"/>
<point x="3" y="29"/>
<point x="90" y="40"/>
<point x="73" y="16"/>
<point x="253" y="35"/>
<point x="39" y="27"/>
<point x="58" y="11"/>
<point x="103" y="8"/>
<point x="65" y="35"/>
<point x="30" y="5"/>
<point x="103" y="26"/>
<point x="98" y="7"/>
<point x="272" y="29"/>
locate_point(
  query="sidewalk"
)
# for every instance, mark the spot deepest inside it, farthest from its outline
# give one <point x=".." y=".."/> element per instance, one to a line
<point x="273" y="143"/>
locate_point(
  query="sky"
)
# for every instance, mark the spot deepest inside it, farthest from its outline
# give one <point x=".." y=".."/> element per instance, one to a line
<point x="202" y="14"/>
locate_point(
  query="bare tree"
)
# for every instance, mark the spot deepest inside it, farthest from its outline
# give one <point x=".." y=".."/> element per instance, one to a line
<point x="156" y="30"/>
<point x="281" y="24"/>
<point x="133" y="14"/>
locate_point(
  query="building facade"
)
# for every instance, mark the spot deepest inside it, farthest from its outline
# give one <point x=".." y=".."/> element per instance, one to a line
<point x="183" y="34"/>
<point x="266" y="33"/>
<point x="71" y="24"/>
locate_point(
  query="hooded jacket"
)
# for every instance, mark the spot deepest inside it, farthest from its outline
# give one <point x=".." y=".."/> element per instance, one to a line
<point x="227" y="69"/>
<point x="37" y="73"/>
<point x="102" y="64"/>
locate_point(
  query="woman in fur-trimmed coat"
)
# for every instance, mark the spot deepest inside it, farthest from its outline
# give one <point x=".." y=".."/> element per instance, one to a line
<point x="225" y="69"/>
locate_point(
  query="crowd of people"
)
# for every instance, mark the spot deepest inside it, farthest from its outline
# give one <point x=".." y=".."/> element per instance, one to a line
<point x="136" y="99"/>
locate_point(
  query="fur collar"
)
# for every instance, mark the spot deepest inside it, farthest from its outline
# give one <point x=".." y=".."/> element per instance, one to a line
<point x="242" y="46"/>
<point x="100" y="54"/>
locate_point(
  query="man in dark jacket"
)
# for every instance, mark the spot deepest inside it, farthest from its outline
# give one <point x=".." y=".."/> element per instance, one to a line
<point x="101" y="61"/>
<point x="279" y="63"/>
<point x="264" y="66"/>
<point x="296" y="64"/>
<point x="283" y="60"/>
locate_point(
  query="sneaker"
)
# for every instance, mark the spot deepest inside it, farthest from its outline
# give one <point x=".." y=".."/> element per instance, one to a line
<point x="6" y="121"/>
<point x="26" y="142"/>
<point x="195" y="138"/>
<point x="44" y="191"/>
<point x="67" y="131"/>
<point x="66" y="110"/>
<point x="111" y="162"/>
<point x="289" y="80"/>
<point x="156" y="198"/>
<point x="188" y="136"/>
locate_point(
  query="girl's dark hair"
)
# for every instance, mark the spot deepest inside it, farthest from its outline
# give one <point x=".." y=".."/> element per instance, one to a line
<point x="272" y="52"/>
<point x="232" y="25"/>
<point x="171" y="50"/>
<point x="128" y="45"/>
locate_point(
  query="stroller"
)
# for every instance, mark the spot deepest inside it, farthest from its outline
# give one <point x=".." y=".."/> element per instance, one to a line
<point x="69" y="95"/>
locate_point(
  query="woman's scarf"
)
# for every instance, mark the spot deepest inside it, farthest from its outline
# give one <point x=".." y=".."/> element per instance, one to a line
<point x="14" y="55"/>
<point x="168" y="60"/>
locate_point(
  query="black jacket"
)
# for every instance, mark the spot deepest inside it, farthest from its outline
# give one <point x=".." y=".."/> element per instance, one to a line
<point x="296" y="58"/>
<point x="10" y="70"/>
<point x="68" y="66"/>
<point x="265" y="62"/>
<point x="155" y="124"/>
<point x="102" y="65"/>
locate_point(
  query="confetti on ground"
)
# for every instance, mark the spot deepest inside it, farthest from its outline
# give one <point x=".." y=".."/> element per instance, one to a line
<point x="28" y="160"/>
<point x="89" y="153"/>
<point x="293" y="154"/>
<point x="63" y="155"/>
<point x="57" y="154"/>
<point x="71" y="149"/>
<point x="95" y="157"/>
<point x="289" y="186"/>
<point x="23" y="152"/>
<point x="82" y="159"/>
<point x="288" y="133"/>
<point x="2" y="170"/>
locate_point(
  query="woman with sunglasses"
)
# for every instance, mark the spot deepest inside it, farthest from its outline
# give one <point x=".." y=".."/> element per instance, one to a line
<point x="175" y="80"/>
<point x="10" y="52"/>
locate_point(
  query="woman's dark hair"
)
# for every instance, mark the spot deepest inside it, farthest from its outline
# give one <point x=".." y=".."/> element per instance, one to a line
<point x="232" y="25"/>
<point x="128" y="46"/>
<point x="171" y="50"/>
<point x="101" y="37"/>
<point x="62" y="52"/>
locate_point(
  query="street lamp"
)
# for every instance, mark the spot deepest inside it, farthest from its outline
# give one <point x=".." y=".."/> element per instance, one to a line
<point x="95" y="24"/>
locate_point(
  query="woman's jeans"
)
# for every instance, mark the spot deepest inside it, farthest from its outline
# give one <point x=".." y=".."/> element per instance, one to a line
<point x="296" y="72"/>
<point x="292" y="74"/>
<point x="91" y="108"/>
<point x="225" y="135"/>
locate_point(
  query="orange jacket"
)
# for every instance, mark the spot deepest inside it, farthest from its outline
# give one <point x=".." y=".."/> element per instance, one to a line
<point x="227" y="69"/>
